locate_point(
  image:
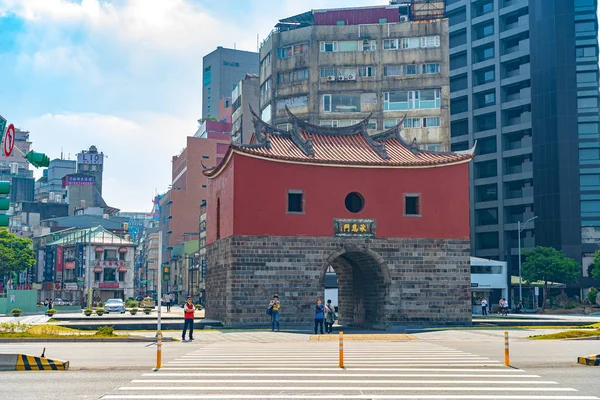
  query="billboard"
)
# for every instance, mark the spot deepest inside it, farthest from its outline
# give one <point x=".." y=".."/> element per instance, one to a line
<point x="49" y="265"/>
<point x="80" y="260"/>
<point x="78" y="180"/>
<point x="90" y="158"/>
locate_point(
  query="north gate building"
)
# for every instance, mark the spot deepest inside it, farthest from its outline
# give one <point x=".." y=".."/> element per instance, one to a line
<point x="390" y="219"/>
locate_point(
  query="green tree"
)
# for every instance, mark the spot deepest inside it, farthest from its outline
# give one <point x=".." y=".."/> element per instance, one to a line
<point x="594" y="268"/>
<point x="16" y="253"/>
<point x="549" y="265"/>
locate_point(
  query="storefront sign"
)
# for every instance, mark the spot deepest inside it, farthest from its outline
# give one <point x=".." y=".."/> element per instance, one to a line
<point x="49" y="265"/>
<point x="354" y="227"/>
<point x="59" y="259"/>
<point x="71" y="286"/>
<point x="108" y="285"/>
<point x="69" y="264"/>
<point x="78" y="180"/>
<point x="80" y="259"/>
<point x="474" y="285"/>
<point x="203" y="268"/>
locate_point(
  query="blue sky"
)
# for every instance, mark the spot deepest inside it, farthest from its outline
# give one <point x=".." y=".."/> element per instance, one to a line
<point x="124" y="75"/>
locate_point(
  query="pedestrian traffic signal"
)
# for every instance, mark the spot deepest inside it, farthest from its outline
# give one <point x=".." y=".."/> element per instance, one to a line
<point x="38" y="160"/>
<point x="166" y="272"/>
<point x="4" y="202"/>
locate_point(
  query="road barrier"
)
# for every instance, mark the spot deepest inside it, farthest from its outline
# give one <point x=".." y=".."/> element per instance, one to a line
<point x="341" y="363"/>
<point x="506" y="353"/>
<point x="593" y="360"/>
<point x="25" y="362"/>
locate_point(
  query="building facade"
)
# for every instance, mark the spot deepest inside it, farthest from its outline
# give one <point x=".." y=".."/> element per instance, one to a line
<point x="244" y="98"/>
<point x="524" y="86"/>
<point x="50" y="187"/>
<point x="222" y="70"/>
<point x="282" y="210"/>
<point x="337" y="67"/>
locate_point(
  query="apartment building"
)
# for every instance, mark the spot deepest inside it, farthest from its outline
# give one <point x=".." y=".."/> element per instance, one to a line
<point x="336" y="67"/>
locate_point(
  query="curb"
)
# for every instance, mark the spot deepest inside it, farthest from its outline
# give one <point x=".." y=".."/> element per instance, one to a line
<point x="593" y="360"/>
<point x="362" y="337"/>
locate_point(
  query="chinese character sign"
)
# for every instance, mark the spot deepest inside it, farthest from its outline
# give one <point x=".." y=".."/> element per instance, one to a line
<point x="354" y="227"/>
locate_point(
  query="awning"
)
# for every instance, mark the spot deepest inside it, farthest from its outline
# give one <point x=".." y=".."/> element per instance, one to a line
<point x="99" y="249"/>
<point x="97" y="269"/>
<point x="70" y="265"/>
<point x="122" y="268"/>
<point x="514" y="280"/>
<point x="122" y="249"/>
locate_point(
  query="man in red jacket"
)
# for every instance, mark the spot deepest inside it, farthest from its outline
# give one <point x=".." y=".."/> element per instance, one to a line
<point x="188" y="315"/>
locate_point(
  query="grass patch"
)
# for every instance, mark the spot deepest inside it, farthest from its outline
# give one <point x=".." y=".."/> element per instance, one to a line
<point x="567" y="335"/>
<point x="48" y="331"/>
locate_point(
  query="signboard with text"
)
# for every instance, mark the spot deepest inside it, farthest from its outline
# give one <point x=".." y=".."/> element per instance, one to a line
<point x="80" y="259"/>
<point x="90" y="158"/>
<point x="354" y="227"/>
<point x="49" y="265"/>
<point x="83" y="180"/>
<point x="108" y="285"/>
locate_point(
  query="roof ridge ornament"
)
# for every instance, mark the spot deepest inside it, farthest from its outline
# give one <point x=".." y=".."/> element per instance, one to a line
<point x="305" y="145"/>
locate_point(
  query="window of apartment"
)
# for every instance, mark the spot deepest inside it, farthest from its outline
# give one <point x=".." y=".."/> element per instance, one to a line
<point x="458" y="60"/>
<point x="327" y="47"/>
<point x="206" y="76"/>
<point x="293" y="76"/>
<point x="293" y="50"/>
<point x="265" y="91"/>
<point x="589" y="154"/>
<point x="482" y="8"/>
<point x="110" y="275"/>
<point x="485" y="122"/>
<point x="486" y="169"/>
<point x="392" y="70"/>
<point x="284" y="127"/>
<point x="122" y="276"/>
<point x="486" y="99"/>
<point x="586" y="77"/>
<point x="589" y="180"/>
<point x="341" y="102"/>
<point x="366" y="71"/>
<point x="486" y="145"/>
<point x="97" y="276"/>
<point x="390" y="123"/>
<point x="589" y="51"/>
<point x="486" y="192"/>
<point x="433" y="68"/>
<point x="430" y="41"/>
<point x="295" y="201"/>
<point x="122" y="256"/>
<point x="409" y="69"/>
<point x="411" y="123"/>
<point x="458" y="83"/>
<point x="587" y="102"/>
<point x="487" y="240"/>
<point x="431" y="122"/>
<point x="328" y="122"/>
<point x="412" y="206"/>
<point x="432" y="146"/>
<point x="588" y="130"/>
<point x="590" y="208"/>
<point x="292" y="102"/>
<point x="367" y="45"/>
<point x="346" y="46"/>
<point x="459" y="105"/>
<point x="485" y="76"/>
<point x="585" y="27"/>
<point x="265" y="63"/>
<point x="110" y="255"/>
<point x="458" y="38"/>
<point x="484" y="30"/>
<point x="488" y="216"/>
<point x="486" y="269"/>
<point x="390" y="44"/>
<point x="484" y="53"/>
<point x="328" y="71"/>
<point x="372" y="124"/>
<point x="410" y="43"/>
<point x="459" y="128"/>
<point x="411" y="100"/>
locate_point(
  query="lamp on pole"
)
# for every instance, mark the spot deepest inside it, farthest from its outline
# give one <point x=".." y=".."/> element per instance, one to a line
<point x="521" y="229"/>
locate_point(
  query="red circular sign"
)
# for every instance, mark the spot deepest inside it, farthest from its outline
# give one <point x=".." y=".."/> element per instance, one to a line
<point x="9" y="140"/>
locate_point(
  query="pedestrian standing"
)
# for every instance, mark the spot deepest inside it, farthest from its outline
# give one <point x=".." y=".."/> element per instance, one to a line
<point x="319" y="315"/>
<point x="329" y="317"/>
<point x="484" y="305"/>
<point x="188" y="315"/>
<point x="49" y="304"/>
<point x="167" y="301"/>
<point x="274" y="308"/>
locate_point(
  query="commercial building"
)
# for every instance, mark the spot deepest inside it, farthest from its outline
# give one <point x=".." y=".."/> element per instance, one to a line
<point x="392" y="221"/>
<point x="336" y="67"/>
<point x="222" y="70"/>
<point x="91" y="163"/>
<point x="524" y="86"/>
<point x="244" y="98"/>
<point x="49" y="187"/>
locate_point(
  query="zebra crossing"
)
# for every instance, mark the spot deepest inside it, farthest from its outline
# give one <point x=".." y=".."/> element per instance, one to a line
<point x="309" y="370"/>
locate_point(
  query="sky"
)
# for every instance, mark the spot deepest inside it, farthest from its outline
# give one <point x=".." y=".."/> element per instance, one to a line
<point x="124" y="75"/>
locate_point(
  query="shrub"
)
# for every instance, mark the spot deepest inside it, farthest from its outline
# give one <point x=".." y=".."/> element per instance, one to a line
<point x="51" y="311"/>
<point x="133" y="311"/>
<point x="592" y="293"/>
<point x="147" y="310"/>
<point x="100" y="311"/>
<point x="13" y="327"/>
<point x="199" y="307"/>
<point x="88" y="311"/>
<point x="131" y="303"/>
<point x="16" y="311"/>
<point x="105" y="331"/>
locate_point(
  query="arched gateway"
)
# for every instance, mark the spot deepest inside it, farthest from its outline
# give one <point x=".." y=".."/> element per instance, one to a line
<point x="390" y="219"/>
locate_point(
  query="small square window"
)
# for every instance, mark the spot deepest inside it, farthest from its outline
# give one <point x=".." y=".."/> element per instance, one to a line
<point x="412" y="205"/>
<point x="295" y="201"/>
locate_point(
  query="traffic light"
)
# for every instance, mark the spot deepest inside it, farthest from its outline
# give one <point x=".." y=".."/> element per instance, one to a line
<point x="4" y="202"/>
<point x="38" y="160"/>
<point x="166" y="272"/>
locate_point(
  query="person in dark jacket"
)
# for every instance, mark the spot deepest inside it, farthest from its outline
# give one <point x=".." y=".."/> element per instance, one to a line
<point x="319" y="315"/>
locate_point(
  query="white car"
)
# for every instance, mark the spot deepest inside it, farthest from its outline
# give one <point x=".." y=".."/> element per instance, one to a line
<point x="114" y="305"/>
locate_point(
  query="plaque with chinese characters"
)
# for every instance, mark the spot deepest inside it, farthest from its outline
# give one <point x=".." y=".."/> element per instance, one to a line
<point x="354" y="227"/>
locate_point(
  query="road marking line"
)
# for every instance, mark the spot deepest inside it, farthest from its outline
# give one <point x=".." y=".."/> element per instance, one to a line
<point x="343" y="374"/>
<point x="335" y="368"/>
<point x="326" y="388"/>
<point x="328" y="380"/>
<point x="342" y="396"/>
<point x="316" y="358"/>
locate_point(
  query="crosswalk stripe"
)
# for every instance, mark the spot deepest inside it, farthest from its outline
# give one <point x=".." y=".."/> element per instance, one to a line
<point x="329" y="381"/>
<point x="342" y="373"/>
<point x="325" y="388"/>
<point x="359" y="396"/>
<point x="331" y="368"/>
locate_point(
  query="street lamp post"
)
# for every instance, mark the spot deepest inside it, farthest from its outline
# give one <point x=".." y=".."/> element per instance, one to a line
<point x="519" y="233"/>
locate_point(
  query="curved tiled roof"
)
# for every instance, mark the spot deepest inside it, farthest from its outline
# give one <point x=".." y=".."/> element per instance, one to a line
<point x="306" y="143"/>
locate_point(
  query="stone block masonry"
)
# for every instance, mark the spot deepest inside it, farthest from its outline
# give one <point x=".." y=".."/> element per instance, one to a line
<point x="382" y="282"/>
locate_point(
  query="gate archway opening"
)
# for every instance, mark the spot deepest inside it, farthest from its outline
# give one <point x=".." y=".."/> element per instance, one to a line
<point x="362" y="286"/>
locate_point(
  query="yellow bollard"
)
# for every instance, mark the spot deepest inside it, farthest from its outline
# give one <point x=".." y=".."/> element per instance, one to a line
<point x="341" y="365"/>
<point x="159" y="350"/>
<point x="506" y="354"/>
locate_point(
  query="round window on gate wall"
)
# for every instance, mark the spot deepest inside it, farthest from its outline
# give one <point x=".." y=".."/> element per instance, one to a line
<point x="354" y="202"/>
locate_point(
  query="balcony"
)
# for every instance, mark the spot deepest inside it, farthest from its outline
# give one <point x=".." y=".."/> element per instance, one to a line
<point x="516" y="51"/>
<point x="525" y="142"/>
<point x="523" y="118"/>
<point x="526" y="166"/>
<point x="522" y="25"/>
<point x="523" y="72"/>
<point x="510" y="6"/>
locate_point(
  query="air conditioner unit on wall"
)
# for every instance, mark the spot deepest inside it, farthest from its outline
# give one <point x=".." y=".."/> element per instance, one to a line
<point x="404" y="18"/>
<point x="330" y="78"/>
<point x="351" y="77"/>
<point x="341" y="78"/>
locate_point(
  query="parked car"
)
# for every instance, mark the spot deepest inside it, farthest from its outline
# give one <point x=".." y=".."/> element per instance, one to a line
<point x="114" y="305"/>
<point x="59" y="302"/>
